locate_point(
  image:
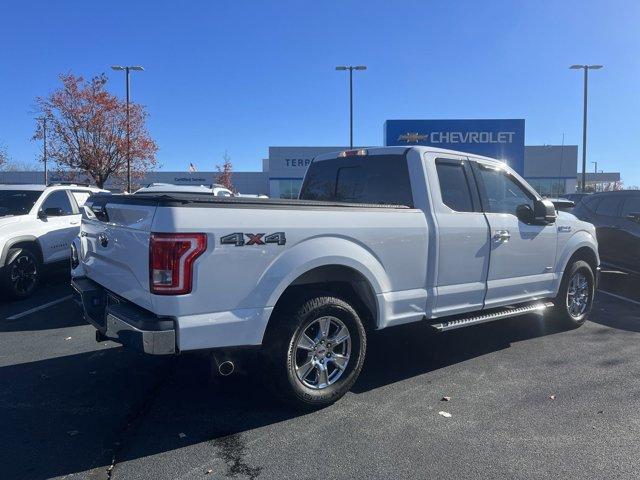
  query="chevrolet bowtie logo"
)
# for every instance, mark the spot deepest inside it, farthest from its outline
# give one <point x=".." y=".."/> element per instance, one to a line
<point x="412" y="137"/>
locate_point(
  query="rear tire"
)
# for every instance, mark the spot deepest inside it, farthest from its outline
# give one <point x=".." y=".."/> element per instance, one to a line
<point x="575" y="297"/>
<point x="313" y="354"/>
<point x="21" y="275"/>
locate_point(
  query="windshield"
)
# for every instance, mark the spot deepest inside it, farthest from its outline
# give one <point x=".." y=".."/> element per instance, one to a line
<point x="17" y="202"/>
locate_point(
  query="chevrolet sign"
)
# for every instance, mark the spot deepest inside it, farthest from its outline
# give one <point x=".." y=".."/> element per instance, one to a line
<point x="500" y="139"/>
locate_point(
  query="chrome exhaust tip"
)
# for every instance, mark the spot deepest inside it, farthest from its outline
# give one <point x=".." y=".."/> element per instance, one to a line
<point x="226" y="368"/>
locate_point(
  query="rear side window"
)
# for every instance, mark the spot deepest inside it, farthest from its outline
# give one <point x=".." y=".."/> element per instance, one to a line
<point x="609" y="206"/>
<point x="454" y="186"/>
<point x="375" y="179"/>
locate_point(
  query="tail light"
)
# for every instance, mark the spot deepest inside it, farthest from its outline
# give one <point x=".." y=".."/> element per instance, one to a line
<point x="171" y="258"/>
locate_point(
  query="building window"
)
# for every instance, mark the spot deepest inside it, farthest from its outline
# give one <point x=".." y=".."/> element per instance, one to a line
<point x="549" y="187"/>
<point x="285" y="187"/>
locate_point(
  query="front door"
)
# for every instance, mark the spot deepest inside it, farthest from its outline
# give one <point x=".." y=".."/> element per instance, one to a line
<point x="59" y="228"/>
<point x="522" y="258"/>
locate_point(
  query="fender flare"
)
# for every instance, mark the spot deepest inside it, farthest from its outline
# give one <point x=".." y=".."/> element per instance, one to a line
<point x="309" y="254"/>
<point x="14" y="240"/>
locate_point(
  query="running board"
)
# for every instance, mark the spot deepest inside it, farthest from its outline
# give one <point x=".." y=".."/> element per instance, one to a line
<point x="490" y="317"/>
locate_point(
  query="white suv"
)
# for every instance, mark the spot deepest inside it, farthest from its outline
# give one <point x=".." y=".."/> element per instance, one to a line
<point x="37" y="225"/>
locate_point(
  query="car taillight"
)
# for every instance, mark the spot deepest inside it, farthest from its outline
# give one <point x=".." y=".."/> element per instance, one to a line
<point x="171" y="258"/>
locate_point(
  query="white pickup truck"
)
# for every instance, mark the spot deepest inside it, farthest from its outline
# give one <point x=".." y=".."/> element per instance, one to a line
<point x="379" y="237"/>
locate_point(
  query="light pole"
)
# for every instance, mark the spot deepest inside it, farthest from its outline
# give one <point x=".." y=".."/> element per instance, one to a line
<point x="127" y="69"/>
<point x="586" y="69"/>
<point x="351" y="69"/>
<point x="595" y="167"/>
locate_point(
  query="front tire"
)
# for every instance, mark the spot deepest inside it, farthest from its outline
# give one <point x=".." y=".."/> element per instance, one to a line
<point x="21" y="275"/>
<point x="575" y="297"/>
<point x="315" y="352"/>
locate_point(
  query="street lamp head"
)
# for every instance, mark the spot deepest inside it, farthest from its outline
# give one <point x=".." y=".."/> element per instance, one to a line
<point x="576" y="67"/>
<point x="341" y="67"/>
<point x="136" y="67"/>
<point x="360" y="67"/>
<point x="594" y="67"/>
<point x="116" y="67"/>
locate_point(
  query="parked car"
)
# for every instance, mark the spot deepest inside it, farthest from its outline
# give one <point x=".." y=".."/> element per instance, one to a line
<point x="379" y="237"/>
<point x="37" y="225"/>
<point x="575" y="197"/>
<point x="616" y="216"/>
<point x="215" y="190"/>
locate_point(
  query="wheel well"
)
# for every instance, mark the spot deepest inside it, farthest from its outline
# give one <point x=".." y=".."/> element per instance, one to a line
<point x="30" y="245"/>
<point x="586" y="254"/>
<point x="344" y="282"/>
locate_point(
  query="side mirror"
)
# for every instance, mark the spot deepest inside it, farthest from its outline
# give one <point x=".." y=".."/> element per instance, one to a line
<point x="634" y="217"/>
<point x="50" y="212"/>
<point x="525" y="213"/>
<point x="545" y="212"/>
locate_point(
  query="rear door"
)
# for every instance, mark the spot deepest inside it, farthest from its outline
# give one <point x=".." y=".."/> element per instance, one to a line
<point x="463" y="238"/>
<point x="522" y="259"/>
<point x="115" y="245"/>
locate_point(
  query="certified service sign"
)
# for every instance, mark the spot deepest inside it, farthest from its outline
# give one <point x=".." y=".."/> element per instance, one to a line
<point x="499" y="139"/>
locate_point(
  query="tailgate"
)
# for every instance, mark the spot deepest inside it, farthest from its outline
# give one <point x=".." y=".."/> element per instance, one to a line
<point x="114" y="241"/>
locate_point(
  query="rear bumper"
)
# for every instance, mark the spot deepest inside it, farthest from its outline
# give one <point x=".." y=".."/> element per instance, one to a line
<point x="123" y="322"/>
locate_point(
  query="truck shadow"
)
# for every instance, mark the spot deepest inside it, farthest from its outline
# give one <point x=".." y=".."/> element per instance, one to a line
<point x="417" y="349"/>
<point x="76" y="413"/>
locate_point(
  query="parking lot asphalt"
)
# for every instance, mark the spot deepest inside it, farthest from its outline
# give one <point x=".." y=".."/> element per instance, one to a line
<point x="528" y="400"/>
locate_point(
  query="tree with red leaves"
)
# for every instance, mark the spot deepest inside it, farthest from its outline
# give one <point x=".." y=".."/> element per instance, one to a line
<point x="225" y="172"/>
<point x="87" y="130"/>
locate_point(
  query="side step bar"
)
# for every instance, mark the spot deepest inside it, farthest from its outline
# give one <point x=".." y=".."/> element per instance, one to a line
<point x="490" y="317"/>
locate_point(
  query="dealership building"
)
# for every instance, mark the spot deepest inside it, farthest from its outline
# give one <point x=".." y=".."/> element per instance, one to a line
<point x="551" y="169"/>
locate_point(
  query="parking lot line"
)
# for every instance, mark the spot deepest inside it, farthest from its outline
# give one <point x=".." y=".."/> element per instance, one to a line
<point x="41" y="307"/>
<point x="620" y="297"/>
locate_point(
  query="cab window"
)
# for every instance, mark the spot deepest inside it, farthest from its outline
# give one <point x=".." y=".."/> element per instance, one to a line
<point x="373" y="179"/>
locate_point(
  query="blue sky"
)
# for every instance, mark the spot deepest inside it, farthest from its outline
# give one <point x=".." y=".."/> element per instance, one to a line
<point x="240" y="76"/>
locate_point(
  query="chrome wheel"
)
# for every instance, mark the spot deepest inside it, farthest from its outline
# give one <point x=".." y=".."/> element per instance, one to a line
<point x="24" y="274"/>
<point x="578" y="295"/>
<point x="322" y="352"/>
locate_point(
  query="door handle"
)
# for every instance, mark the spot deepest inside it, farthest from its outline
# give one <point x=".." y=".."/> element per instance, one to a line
<point x="502" y="236"/>
<point x="74" y="222"/>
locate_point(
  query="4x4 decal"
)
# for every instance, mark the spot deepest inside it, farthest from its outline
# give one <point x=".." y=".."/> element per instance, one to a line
<point x="238" y="239"/>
